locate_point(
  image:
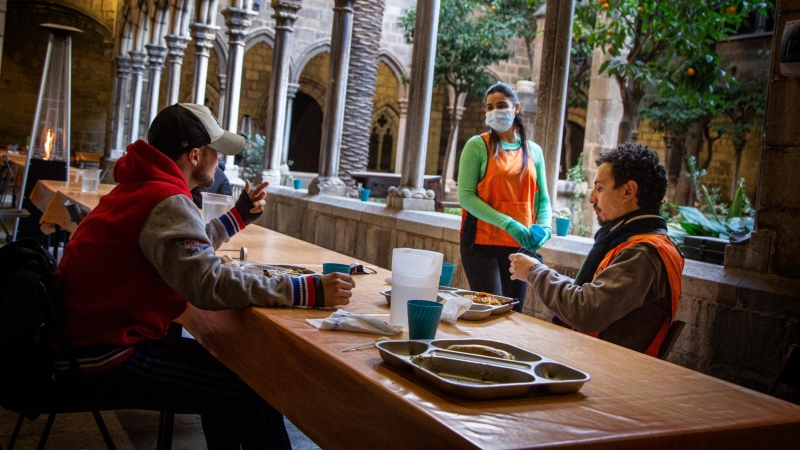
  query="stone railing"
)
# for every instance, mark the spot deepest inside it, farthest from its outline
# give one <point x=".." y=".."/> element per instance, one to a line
<point x="738" y="323"/>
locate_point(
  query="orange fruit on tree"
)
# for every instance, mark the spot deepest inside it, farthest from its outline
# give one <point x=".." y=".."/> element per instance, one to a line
<point x="494" y="7"/>
<point x="690" y="71"/>
<point x="609" y="32"/>
<point x="486" y="44"/>
<point x="639" y="9"/>
<point x="606" y="6"/>
<point x="730" y="10"/>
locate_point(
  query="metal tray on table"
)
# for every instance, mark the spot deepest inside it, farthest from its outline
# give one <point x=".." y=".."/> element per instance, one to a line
<point x="479" y="311"/>
<point x="273" y="270"/>
<point x="479" y="377"/>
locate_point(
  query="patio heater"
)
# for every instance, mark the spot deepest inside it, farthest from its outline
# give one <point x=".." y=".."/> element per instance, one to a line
<point x="48" y="156"/>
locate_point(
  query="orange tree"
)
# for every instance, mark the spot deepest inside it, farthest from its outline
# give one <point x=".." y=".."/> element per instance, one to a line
<point x="660" y="44"/>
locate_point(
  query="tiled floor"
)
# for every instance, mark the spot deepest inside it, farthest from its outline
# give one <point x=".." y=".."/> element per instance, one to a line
<point x="130" y="429"/>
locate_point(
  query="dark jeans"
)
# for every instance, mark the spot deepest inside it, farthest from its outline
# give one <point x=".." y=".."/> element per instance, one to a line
<point x="487" y="268"/>
<point x="178" y="375"/>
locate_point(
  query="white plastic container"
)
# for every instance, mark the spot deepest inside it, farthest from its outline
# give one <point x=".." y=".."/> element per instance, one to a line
<point x="215" y="205"/>
<point x="415" y="276"/>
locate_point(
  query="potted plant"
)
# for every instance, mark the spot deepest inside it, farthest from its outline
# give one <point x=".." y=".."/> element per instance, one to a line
<point x="563" y="220"/>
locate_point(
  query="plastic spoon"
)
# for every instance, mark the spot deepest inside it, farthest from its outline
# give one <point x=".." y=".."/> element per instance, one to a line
<point x="383" y="338"/>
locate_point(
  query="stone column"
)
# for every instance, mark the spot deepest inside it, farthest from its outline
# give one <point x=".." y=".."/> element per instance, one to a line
<point x="552" y="100"/>
<point x="138" y="59"/>
<point x="156" y="54"/>
<point x="120" y="100"/>
<point x="2" y="28"/>
<point x="238" y="21"/>
<point x="411" y="193"/>
<point x="401" y="135"/>
<point x="291" y="93"/>
<point x="177" y="45"/>
<point x="456" y="110"/>
<point x="528" y="102"/>
<point x="204" y="36"/>
<point x="603" y="114"/>
<point x="538" y="44"/>
<point x="223" y="94"/>
<point x="285" y="15"/>
<point x="328" y="181"/>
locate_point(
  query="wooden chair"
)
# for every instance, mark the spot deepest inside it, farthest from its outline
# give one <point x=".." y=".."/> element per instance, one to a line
<point x="790" y="370"/>
<point x="669" y="340"/>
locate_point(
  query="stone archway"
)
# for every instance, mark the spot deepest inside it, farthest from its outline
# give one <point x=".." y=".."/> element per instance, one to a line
<point x="306" y="133"/>
<point x="382" y="140"/>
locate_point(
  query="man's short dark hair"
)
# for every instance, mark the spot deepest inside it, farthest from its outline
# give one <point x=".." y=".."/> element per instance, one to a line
<point x="632" y="161"/>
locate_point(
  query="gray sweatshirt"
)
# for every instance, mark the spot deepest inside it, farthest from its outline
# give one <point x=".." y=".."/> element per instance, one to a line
<point x="181" y="248"/>
<point x="627" y="302"/>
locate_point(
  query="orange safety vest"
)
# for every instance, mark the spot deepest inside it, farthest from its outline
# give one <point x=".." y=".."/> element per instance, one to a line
<point x="673" y="261"/>
<point x="504" y="190"/>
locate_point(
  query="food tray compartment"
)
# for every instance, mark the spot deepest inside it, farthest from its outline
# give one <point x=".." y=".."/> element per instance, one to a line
<point x="520" y="354"/>
<point x="476" y="312"/>
<point x="508" y="302"/>
<point x="472" y="379"/>
<point x="272" y="270"/>
<point x="387" y="293"/>
<point x="560" y="379"/>
<point x="396" y="352"/>
<point x="474" y="376"/>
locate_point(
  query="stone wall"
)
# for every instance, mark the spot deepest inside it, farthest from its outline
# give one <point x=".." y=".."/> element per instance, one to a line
<point x="738" y="323"/>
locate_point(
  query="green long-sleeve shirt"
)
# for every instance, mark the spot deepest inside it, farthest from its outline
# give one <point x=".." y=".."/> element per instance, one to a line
<point x="471" y="170"/>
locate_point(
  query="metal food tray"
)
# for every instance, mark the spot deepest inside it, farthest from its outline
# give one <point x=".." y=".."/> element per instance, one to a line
<point x="281" y="269"/>
<point x="477" y="377"/>
<point x="387" y="293"/>
<point x="478" y="311"/>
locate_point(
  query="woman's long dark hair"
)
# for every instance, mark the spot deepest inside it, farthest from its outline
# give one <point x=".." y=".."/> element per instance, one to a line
<point x="494" y="139"/>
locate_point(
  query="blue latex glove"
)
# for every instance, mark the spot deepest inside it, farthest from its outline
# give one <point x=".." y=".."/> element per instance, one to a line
<point x="519" y="232"/>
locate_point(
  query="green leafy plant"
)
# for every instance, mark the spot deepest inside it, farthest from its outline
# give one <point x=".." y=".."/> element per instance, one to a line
<point x="694" y="222"/>
<point x="253" y="158"/>
<point x="579" y="192"/>
<point x="670" y="46"/>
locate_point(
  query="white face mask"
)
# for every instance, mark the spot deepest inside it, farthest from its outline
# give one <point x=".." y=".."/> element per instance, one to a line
<point x="500" y="120"/>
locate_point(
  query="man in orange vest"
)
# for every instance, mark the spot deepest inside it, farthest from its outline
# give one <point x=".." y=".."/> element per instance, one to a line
<point x="628" y="290"/>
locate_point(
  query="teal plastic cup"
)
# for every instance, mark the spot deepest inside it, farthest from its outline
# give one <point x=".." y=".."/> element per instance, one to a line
<point x="364" y="194"/>
<point x="537" y="233"/>
<point x="335" y="267"/>
<point x="423" y="318"/>
<point x="297" y="183"/>
<point x="447" y="274"/>
<point x="562" y="226"/>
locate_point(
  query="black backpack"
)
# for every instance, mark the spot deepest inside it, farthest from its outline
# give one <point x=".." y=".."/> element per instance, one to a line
<point x="29" y="304"/>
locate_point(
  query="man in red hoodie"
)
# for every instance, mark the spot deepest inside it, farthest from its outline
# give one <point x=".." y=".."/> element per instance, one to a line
<point x="142" y="254"/>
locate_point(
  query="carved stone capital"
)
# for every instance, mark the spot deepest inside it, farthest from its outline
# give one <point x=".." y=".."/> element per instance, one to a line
<point x="291" y="90"/>
<point x="403" y="104"/>
<point x="223" y="82"/>
<point x="177" y="45"/>
<point x="285" y="13"/>
<point x="327" y="186"/>
<point x="238" y="21"/>
<point x="123" y="67"/>
<point x="138" y="59"/>
<point x="204" y="36"/>
<point x="156" y="54"/>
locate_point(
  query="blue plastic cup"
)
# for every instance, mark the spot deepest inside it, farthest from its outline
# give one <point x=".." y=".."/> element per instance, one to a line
<point x="447" y="274"/>
<point x="297" y="183"/>
<point x="537" y="233"/>
<point x="335" y="267"/>
<point x="364" y="194"/>
<point x="423" y="318"/>
<point x="562" y="226"/>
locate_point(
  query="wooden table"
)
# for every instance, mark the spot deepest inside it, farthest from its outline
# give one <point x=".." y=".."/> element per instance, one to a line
<point x="49" y="197"/>
<point x="354" y="400"/>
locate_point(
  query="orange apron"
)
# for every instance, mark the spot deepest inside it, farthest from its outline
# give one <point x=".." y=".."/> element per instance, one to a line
<point x="504" y="190"/>
<point x="673" y="261"/>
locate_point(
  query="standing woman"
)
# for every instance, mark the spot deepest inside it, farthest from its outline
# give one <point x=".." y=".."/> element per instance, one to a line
<point x="503" y="191"/>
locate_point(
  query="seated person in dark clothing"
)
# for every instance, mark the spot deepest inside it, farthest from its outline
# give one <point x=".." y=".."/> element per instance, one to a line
<point x="221" y="185"/>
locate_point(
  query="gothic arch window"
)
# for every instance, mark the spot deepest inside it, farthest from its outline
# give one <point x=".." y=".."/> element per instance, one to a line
<point x="382" y="140"/>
